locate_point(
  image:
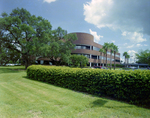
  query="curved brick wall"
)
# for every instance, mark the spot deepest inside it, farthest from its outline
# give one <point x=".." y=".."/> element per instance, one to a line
<point x="88" y="39"/>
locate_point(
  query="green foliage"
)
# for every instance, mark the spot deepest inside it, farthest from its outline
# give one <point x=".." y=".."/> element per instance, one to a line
<point x="58" y="49"/>
<point x="101" y="52"/>
<point x="131" y="86"/>
<point x="125" y="54"/>
<point x="32" y="37"/>
<point x="117" y="65"/>
<point x="111" y="51"/>
<point x="115" y="49"/>
<point x="24" y="33"/>
<point x="143" y="56"/>
<point x="7" y="55"/>
<point x="106" y="47"/>
<point x="78" y="60"/>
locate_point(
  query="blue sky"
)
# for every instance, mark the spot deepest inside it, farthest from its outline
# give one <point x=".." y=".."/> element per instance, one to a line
<point x="126" y="23"/>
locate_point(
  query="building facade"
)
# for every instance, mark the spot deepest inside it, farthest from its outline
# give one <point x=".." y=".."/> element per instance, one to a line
<point x="86" y="46"/>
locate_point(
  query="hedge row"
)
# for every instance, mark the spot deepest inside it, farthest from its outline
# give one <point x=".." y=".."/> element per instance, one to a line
<point x="131" y="86"/>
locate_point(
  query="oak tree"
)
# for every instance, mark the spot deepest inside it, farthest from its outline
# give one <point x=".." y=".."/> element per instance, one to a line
<point x="24" y="33"/>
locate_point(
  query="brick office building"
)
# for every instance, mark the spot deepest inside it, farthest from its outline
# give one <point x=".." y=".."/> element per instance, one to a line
<point x="86" y="46"/>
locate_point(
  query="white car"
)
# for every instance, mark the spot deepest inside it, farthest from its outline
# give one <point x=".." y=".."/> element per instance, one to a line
<point x="133" y="67"/>
<point x="10" y="64"/>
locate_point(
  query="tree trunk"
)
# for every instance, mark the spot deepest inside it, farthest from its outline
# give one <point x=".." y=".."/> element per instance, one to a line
<point x="114" y="61"/>
<point x="26" y="63"/>
<point x="106" y="58"/>
<point x="125" y="62"/>
<point x="1" y="64"/>
<point x="103" y="60"/>
<point x="100" y="58"/>
<point x="110" y="62"/>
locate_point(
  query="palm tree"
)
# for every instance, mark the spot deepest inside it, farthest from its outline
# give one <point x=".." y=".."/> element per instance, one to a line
<point x="128" y="56"/>
<point x="115" y="49"/>
<point x="111" y="51"/>
<point x="125" y="55"/>
<point x="101" y="51"/>
<point x="106" y="47"/>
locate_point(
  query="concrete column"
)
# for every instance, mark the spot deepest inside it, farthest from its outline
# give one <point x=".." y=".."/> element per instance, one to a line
<point x="90" y="64"/>
<point x="97" y="64"/>
<point x="90" y="56"/>
<point x="138" y="66"/>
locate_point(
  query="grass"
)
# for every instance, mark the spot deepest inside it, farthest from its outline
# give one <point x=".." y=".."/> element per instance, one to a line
<point x="21" y="97"/>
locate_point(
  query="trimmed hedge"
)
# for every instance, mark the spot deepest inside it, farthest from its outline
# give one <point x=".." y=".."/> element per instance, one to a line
<point x="131" y="86"/>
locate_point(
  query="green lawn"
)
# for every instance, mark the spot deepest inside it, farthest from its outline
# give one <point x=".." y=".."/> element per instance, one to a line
<point x="21" y="97"/>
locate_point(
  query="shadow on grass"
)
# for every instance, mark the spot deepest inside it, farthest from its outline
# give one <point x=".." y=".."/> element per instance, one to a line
<point x="102" y="102"/>
<point x="11" y="69"/>
<point x="99" y="103"/>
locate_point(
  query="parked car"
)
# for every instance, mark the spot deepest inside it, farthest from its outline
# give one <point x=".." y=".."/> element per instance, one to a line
<point x="133" y="67"/>
<point x="10" y="64"/>
<point x="97" y="67"/>
<point x="92" y="68"/>
<point x="104" y="68"/>
<point x="100" y="67"/>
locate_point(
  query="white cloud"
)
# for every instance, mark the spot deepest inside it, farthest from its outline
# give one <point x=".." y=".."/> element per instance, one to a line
<point x="138" y="45"/>
<point x="131" y="46"/>
<point x="129" y="16"/>
<point x="132" y="55"/>
<point x="96" y="10"/>
<point x="122" y="59"/>
<point x="49" y="1"/>
<point x="97" y="38"/>
<point x="124" y="33"/>
<point x="113" y="41"/>
<point x="134" y="36"/>
<point x="131" y="52"/>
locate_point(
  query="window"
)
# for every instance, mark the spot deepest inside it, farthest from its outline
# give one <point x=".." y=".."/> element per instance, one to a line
<point x="95" y="48"/>
<point x="87" y="55"/>
<point x="82" y="47"/>
<point x="118" y="56"/>
<point x="108" y="59"/>
<point x="109" y="53"/>
<point x="117" y="60"/>
<point x="104" y="58"/>
<point x="77" y="47"/>
<point x="87" y="47"/>
<point x="94" y="57"/>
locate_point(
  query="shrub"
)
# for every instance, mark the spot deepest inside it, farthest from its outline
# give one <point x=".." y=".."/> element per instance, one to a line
<point x="131" y="86"/>
<point x="78" y="60"/>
